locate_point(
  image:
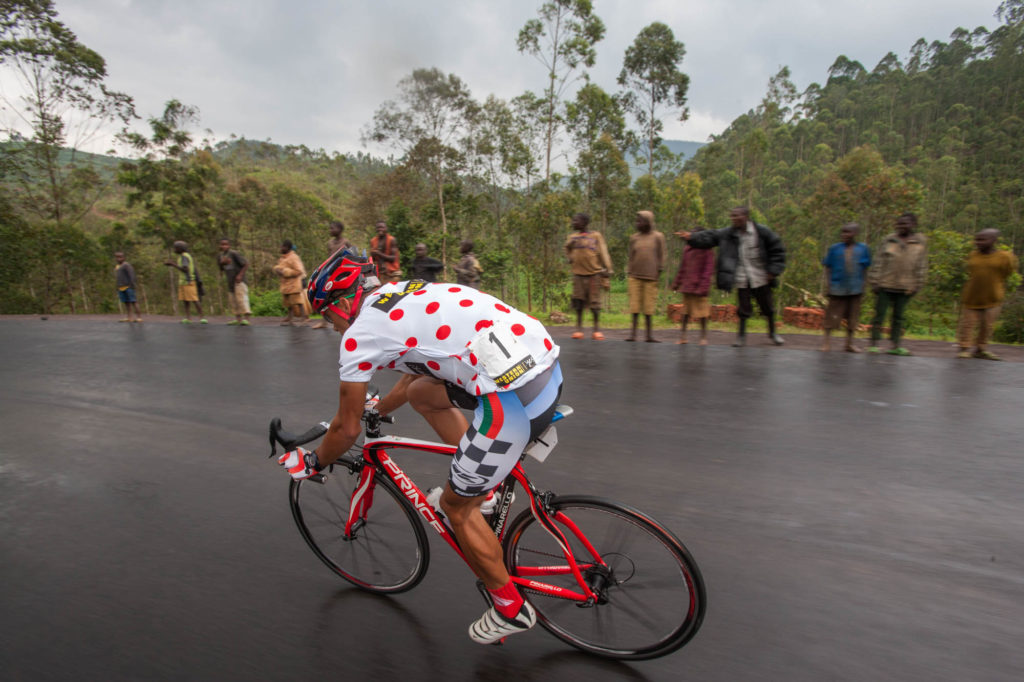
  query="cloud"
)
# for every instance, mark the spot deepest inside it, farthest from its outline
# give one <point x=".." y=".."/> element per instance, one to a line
<point x="314" y="72"/>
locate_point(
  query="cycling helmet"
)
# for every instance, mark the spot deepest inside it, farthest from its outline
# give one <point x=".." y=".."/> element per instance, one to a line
<point x="342" y="275"/>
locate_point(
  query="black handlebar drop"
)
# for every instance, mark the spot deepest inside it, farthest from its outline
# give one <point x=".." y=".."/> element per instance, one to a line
<point x="288" y="441"/>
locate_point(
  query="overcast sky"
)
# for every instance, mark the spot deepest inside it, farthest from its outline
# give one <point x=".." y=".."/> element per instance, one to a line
<point x="313" y="71"/>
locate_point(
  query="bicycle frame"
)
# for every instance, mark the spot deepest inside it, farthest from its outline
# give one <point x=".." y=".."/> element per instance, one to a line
<point x="376" y="460"/>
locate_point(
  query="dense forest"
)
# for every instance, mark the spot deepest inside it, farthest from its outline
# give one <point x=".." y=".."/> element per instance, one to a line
<point x="938" y="132"/>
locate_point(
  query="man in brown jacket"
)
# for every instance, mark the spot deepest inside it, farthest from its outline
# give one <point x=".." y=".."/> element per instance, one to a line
<point x="647" y="256"/>
<point x="897" y="272"/>
<point x="591" y="267"/>
<point x="290" y="270"/>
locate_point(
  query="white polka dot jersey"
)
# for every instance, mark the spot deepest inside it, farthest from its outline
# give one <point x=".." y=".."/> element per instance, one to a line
<point x="450" y="332"/>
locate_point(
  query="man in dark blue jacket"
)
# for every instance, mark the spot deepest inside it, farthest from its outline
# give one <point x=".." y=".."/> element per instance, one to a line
<point x="750" y="258"/>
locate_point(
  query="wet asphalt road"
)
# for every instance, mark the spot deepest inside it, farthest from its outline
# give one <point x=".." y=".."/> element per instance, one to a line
<point x="855" y="517"/>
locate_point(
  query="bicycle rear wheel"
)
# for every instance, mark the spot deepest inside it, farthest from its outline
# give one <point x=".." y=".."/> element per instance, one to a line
<point x="651" y="593"/>
<point x="386" y="552"/>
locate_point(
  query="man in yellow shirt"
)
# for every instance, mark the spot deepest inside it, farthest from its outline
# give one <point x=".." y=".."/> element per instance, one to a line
<point x="988" y="268"/>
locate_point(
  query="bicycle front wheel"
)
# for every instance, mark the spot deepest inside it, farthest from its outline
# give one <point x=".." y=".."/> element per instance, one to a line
<point x="386" y="550"/>
<point x="651" y="597"/>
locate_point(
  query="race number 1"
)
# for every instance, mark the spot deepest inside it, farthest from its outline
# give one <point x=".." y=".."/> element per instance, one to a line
<point x="500" y="354"/>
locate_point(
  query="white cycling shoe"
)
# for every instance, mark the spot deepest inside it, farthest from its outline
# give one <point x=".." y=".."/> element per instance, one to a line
<point x="492" y="627"/>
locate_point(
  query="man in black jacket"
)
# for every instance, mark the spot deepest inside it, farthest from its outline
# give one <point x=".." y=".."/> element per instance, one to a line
<point x="750" y="258"/>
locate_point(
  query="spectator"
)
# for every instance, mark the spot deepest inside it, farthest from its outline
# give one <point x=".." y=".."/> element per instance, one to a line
<point x="124" y="275"/>
<point x="750" y="258"/>
<point x="384" y="251"/>
<point x="591" y="268"/>
<point x="188" y="281"/>
<point x="234" y="267"/>
<point x="846" y="263"/>
<point x="337" y="240"/>
<point x="290" y="270"/>
<point x="468" y="270"/>
<point x="647" y="254"/>
<point x="988" y="268"/>
<point x="896" y="274"/>
<point x="693" y="281"/>
<point x="424" y="267"/>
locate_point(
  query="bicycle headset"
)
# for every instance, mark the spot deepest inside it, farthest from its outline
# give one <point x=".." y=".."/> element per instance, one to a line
<point x="342" y="275"/>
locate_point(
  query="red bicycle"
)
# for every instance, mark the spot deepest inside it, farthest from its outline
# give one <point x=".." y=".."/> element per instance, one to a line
<point x="602" y="576"/>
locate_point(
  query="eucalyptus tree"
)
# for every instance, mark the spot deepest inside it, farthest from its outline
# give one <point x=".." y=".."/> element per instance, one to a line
<point x="58" y="104"/>
<point x="426" y="124"/>
<point x="498" y="154"/>
<point x="55" y="102"/>
<point x="654" y="85"/>
<point x="562" y="38"/>
<point x="594" y="117"/>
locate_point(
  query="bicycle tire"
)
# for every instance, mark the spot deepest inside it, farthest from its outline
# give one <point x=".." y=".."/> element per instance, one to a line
<point x="655" y="596"/>
<point x="389" y="554"/>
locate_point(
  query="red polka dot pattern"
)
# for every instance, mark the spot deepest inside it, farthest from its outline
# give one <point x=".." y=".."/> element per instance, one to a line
<point x="365" y="365"/>
<point x="547" y="344"/>
<point x="411" y="342"/>
<point x="502" y="308"/>
<point x="455" y="290"/>
<point x="478" y="390"/>
<point x="465" y="303"/>
<point x="420" y="292"/>
<point x="518" y="329"/>
<point x="483" y="324"/>
<point x="443" y="331"/>
<point x="351" y="345"/>
<point x="433" y="365"/>
<point x="396" y="314"/>
<point x="432" y="307"/>
<point x="472" y="360"/>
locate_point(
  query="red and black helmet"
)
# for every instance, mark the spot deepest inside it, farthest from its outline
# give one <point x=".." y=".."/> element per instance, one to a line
<point x="342" y="275"/>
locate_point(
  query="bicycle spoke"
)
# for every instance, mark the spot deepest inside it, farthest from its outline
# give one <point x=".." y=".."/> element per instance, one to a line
<point x="386" y="551"/>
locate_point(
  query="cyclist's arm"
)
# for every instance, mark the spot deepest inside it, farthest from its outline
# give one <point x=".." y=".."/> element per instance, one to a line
<point x="396" y="397"/>
<point x="346" y="425"/>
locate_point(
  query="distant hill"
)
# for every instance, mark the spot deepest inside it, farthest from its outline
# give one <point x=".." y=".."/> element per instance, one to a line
<point x="685" y="147"/>
<point x="104" y="164"/>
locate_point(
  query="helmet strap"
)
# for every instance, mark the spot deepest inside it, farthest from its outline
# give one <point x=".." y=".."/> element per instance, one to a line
<point x="356" y="299"/>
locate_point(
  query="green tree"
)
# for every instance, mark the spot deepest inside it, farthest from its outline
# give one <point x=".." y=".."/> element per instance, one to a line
<point x="59" y="102"/>
<point x="594" y="120"/>
<point x="60" y="88"/>
<point x="654" y="84"/>
<point x="426" y="124"/>
<point x="562" y="39"/>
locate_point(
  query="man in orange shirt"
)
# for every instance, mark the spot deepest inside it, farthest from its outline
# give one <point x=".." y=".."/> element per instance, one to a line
<point x="384" y="250"/>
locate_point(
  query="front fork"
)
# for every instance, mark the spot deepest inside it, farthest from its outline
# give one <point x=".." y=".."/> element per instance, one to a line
<point x="362" y="500"/>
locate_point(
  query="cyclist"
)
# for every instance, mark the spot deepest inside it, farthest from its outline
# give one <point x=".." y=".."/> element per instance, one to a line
<point x="454" y="345"/>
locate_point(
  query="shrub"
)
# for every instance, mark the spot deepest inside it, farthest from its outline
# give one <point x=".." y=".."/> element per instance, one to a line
<point x="1011" y="326"/>
<point x="267" y="304"/>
